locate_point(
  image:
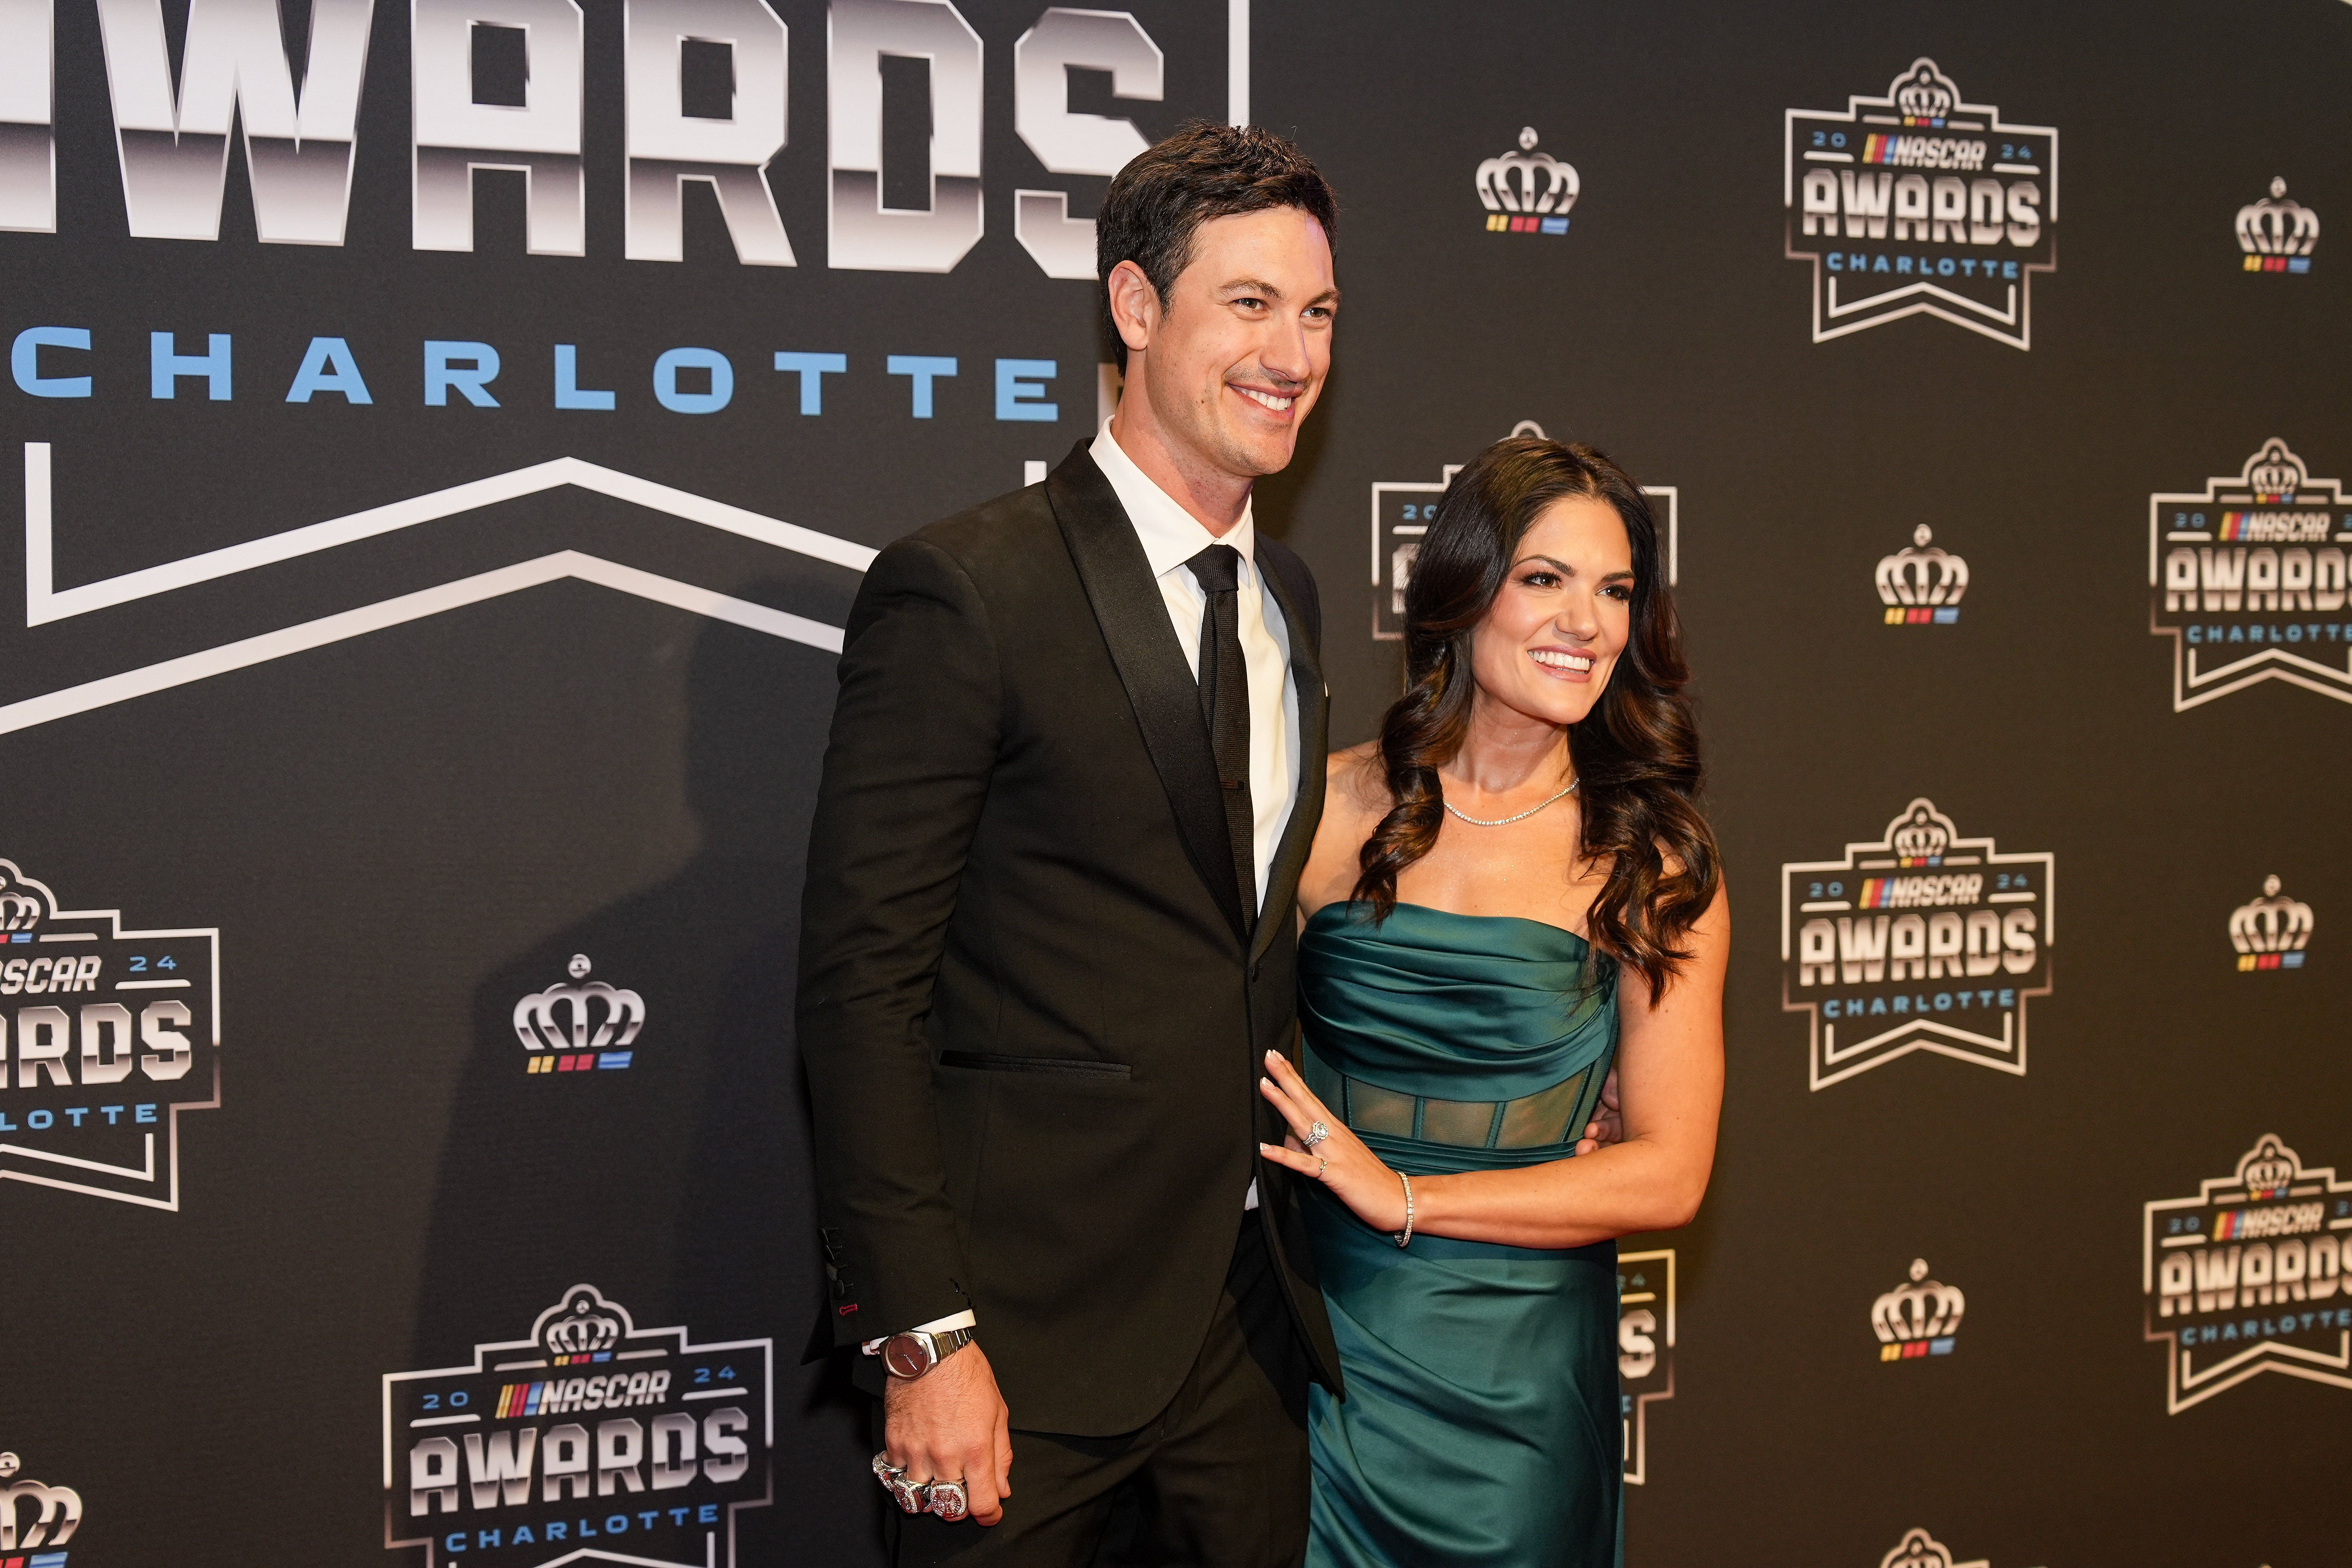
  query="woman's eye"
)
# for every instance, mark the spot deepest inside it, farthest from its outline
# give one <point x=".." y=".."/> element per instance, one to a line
<point x="1619" y="592"/>
<point x="1540" y="580"/>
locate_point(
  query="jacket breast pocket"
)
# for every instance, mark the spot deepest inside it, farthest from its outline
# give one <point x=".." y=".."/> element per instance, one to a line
<point x="991" y="1061"/>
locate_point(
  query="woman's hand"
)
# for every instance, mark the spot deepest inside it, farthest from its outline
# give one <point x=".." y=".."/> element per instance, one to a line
<point x="1608" y="1123"/>
<point x="1353" y="1172"/>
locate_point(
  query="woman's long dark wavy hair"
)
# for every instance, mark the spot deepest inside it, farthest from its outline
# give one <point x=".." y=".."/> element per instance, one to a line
<point x="1636" y="753"/>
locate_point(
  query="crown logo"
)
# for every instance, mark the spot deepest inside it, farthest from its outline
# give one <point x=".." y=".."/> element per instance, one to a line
<point x="585" y="1324"/>
<point x="1923" y="92"/>
<point x="1921" y="573"/>
<point x="1527" y="181"/>
<point x="2269" y="1165"/>
<point x="1918" y="1550"/>
<point x="1921" y="833"/>
<point x="2274" y="470"/>
<point x="23" y="905"/>
<point x="2272" y="923"/>
<point x="32" y="1514"/>
<point x="1923" y="1309"/>
<point x="593" y="1016"/>
<point x="2277" y="226"/>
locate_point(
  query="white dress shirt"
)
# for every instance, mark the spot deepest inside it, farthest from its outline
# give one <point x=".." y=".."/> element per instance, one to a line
<point x="1170" y="537"/>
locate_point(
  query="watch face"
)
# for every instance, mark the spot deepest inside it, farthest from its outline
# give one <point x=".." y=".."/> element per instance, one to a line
<point x="906" y="1355"/>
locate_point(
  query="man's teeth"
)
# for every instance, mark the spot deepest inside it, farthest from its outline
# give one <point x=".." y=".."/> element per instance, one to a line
<point x="1574" y="661"/>
<point x="1279" y="404"/>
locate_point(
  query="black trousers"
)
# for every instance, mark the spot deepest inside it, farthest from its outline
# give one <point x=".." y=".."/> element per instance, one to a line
<point x="1218" y="1478"/>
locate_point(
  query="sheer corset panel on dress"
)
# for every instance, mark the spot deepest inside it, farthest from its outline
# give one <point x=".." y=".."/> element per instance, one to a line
<point x="1544" y="1120"/>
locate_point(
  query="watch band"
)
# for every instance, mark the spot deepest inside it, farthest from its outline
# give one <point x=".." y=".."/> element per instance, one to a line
<point x="932" y="1346"/>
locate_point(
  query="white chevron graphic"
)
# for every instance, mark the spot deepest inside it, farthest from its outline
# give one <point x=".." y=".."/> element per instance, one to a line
<point x="44" y="603"/>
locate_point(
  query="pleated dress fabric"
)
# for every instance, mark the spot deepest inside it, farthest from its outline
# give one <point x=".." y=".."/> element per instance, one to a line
<point x="1482" y="1422"/>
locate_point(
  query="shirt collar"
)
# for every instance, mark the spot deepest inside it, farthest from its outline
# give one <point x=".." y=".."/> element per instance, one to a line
<point x="1170" y="535"/>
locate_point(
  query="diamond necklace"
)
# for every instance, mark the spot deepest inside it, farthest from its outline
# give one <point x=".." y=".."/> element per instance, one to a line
<point x="1506" y="821"/>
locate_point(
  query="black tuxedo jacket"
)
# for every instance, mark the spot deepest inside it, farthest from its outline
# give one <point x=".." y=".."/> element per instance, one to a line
<point x="1031" y="1006"/>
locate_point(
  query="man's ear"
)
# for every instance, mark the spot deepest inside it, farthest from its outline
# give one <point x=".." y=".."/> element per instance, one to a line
<point x="1134" y="305"/>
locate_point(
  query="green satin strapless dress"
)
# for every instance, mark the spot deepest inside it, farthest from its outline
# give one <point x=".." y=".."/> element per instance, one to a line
<point x="1480" y="1423"/>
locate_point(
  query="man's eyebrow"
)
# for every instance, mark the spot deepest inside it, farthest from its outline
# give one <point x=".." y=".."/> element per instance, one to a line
<point x="1260" y="286"/>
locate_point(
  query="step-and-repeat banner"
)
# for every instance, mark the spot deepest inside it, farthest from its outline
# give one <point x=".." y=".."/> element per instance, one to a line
<point x="450" y="433"/>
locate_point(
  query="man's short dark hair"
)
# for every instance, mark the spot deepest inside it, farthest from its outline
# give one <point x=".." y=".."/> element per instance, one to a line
<point x="1205" y="171"/>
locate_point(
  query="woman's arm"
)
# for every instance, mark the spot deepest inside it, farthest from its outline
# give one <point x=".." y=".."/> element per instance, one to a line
<point x="1670" y="1068"/>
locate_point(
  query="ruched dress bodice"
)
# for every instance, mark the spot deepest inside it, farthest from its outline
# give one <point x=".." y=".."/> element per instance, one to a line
<point x="1480" y="1423"/>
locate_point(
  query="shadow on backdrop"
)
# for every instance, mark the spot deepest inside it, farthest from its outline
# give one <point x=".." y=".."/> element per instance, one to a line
<point x="678" y="1186"/>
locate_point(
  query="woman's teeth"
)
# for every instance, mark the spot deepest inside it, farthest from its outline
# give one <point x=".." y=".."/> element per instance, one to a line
<point x="1578" y="662"/>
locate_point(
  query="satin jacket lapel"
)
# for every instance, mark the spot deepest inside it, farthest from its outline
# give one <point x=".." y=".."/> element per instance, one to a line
<point x="1314" y="740"/>
<point x="1160" y="687"/>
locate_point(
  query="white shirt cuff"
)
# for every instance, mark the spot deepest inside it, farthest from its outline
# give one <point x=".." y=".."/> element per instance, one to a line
<point x="963" y="1320"/>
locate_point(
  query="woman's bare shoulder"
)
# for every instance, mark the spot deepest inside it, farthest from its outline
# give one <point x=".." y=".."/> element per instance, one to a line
<point x="1353" y="780"/>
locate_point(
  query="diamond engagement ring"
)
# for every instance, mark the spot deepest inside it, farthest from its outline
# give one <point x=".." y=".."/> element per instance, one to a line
<point x="1315" y="1134"/>
<point x="947" y="1499"/>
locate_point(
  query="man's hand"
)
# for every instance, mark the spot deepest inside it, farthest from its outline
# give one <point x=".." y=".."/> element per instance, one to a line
<point x="1608" y="1123"/>
<point x="950" y="1424"/>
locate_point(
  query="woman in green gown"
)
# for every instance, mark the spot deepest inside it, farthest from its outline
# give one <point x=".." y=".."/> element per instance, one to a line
<point x="1512" y="893"/>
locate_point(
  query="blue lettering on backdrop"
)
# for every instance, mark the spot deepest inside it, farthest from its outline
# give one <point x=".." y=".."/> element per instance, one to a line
<point x="444" y="370"/>
<point x="569" y="394"/>
<point x="166" y="365"/>
<point x="25" y="362"/>
<point x="667" y="393"/>
<point x="1020" y="398"/>
<point x="923" y="369"/>
<point x="328" y="366"/>
<point x="813" y="369"/>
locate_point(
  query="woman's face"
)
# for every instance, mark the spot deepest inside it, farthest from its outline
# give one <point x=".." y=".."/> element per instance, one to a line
<point x="1547" y="646"/>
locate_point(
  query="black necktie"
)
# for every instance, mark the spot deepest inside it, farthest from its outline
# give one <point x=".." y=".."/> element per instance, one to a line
<point x="1224" y="703"/>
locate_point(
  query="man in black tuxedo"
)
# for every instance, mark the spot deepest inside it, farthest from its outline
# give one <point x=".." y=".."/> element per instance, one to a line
<point x="1048" y="932"/>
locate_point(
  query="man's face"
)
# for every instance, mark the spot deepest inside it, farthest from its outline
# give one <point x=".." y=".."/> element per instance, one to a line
<point x="1239" y="354"/>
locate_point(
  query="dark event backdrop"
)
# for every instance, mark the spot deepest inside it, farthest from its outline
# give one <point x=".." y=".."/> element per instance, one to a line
<point x="406" y="750"/>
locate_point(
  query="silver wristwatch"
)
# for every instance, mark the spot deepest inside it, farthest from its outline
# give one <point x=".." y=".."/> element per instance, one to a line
<point x="915" y="1352"/>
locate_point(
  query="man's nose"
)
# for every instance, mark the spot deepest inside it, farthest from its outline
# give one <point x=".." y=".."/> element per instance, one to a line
<point x="1284" y="355"/>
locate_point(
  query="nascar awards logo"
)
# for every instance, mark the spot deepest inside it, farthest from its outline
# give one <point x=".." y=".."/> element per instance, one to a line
<point x="1918" y="1549"/>
<point x="112" y="1033"/>
<point x="2247" y="1277"/>
<point x="34" y="1515"/>
<point x="1919" y="204"/>
<point x="2247" y="578"/>
<point x="589" y="1439"/>
<point x="1403" y="511"/>
<point x="2277" y="235"/>
<point x="2271" y="931"/>
<point x="1949" y="970"/>
<point x="1645" y="1349"/>
<point x="1528" y="192"/>
<point x="1921" y="585"/>
<point x="579" y="1027"/>
<point x="1917" y="1319"/>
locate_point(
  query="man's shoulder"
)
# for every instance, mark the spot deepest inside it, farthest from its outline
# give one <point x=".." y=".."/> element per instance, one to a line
<point x="1287" y="567"/>
<point x="1016" y="529"/>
